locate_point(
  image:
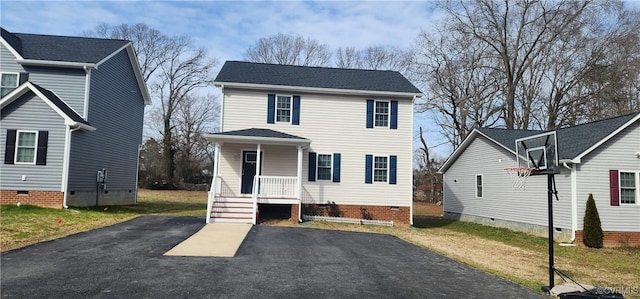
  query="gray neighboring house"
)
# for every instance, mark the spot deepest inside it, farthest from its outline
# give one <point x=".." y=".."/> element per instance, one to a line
<point x="601" y="158"/>
<point x="71" y="108"/>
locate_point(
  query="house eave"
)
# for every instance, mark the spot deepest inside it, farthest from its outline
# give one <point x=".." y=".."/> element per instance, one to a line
<point x="290" y="88"/>
<point x="52" y="63"/>
<point x="215" y="138"/>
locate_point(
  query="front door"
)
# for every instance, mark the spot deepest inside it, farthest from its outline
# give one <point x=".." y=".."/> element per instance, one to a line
<point x="249" y="160"/>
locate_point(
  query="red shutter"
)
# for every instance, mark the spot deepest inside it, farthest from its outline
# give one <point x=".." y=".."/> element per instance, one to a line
<point x="614" y="187"/>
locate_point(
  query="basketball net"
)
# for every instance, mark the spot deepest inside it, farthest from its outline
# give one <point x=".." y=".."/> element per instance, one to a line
<point x="519" y="176"/>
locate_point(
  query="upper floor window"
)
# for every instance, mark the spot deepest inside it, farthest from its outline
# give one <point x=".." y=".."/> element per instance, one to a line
<point x="26" y="147"/>
<point x="382" y="114"/>
<point x="283" y="109"/>
<point x="9" y="82"/>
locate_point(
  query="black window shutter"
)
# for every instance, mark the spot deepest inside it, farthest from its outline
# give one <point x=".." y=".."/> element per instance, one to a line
<point x="24" y="77"/>
<point x="10" y="147"/>
<point x="336" y="167"/>
<point x="296" y="110"/>
<point x="393" y="161"/>
<point x="312" y="167"/>
<point x="41" y="153"/>
<point x="394" y="114"/>
<point x="368" y="169"/>
<point x="614" y="188"/>
<point x="271" y="108"/>
<point x="369" y="113"/>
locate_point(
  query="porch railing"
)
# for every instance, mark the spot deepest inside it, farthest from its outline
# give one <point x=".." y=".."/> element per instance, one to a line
<point x="215" y="185"/>
<point x="277" y="186"/>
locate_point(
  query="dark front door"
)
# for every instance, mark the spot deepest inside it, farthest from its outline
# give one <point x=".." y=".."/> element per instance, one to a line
<point x="249" y="160"/>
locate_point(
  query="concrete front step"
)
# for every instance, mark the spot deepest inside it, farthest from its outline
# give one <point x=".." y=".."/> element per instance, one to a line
<point x="232" y="215"/>
<point x="231" y="220"/>
<point x="232" y="209"/>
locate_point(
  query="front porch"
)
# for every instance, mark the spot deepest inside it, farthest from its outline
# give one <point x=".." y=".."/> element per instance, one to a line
<point x="243" y="179"/>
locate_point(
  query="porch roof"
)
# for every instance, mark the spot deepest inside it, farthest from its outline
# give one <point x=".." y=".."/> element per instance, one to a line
<point x="257" y="135"/>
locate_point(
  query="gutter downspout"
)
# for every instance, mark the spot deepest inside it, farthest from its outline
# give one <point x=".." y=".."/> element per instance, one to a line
<point x="574" y="200"/>
<point x="137" y="173"/>
<point x="65" y="166"/>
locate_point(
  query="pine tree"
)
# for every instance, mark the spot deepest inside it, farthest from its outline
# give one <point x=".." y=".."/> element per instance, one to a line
<point x="592" y="235"/>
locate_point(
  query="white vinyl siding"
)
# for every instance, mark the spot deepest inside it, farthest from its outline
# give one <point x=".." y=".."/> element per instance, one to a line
<point x="26" y="145"/>
<point x="618" y="153"/>
<point x="499" y="200"/>
<point x="329" y="132"/>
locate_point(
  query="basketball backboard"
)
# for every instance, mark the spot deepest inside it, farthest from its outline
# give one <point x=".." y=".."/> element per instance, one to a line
<point x="539" y="152"/>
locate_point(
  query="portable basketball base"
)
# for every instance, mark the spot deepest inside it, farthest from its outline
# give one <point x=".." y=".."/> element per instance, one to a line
<point x="538" y="155"/>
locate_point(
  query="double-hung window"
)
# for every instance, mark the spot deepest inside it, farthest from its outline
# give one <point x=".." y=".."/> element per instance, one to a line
<point x="628" y="187"/>
<point x="9" y="83"/>
<point x="381" y="114"/>
<point x="26" y="147"/>
<point x="324" y="167"/>
<point x="479" y="186"/>
<point x="283" y="109"/>
<point x="380" y="169"/>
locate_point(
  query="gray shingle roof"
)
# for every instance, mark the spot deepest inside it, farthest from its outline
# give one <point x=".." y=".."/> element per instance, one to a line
<point x="315" y="77"/>
<point x="254" y="132"/>
<point x="60" y="104"/>
<point x="62" y="48"/>
<point x="572" y="141"/>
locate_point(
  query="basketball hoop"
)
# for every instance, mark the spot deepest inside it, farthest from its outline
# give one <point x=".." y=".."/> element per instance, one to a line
<point x="519" y="176"/>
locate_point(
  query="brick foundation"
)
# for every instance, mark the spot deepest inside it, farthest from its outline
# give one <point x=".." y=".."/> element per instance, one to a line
<point x="399" y="215"/>
<point x="615" y="239"/>
<point x="49" y="199"/>
<point x="294" y="214"/>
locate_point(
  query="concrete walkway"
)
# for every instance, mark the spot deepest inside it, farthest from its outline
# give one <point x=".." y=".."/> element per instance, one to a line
<point x="214" y="239"/>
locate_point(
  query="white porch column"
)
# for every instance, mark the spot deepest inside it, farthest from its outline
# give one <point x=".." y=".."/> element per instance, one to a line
<point x="216" y="162"/>
<point x="258" y="161"/>
<point x="299" y="174"/>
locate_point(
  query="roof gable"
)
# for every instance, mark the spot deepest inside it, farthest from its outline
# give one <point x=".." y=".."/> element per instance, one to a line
<point x="573" y="142"/>
<point x="314" y="77"/>
<point x="71" y="117"/>
<point x="62" y="48"/>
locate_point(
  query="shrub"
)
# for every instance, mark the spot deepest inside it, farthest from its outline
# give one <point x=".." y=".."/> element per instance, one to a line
<point x="592" y="235"/>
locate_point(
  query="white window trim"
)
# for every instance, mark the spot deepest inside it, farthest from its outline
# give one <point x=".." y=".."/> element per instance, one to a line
<point x="318" y="167"/>
<point x="373" y="169"/>
<point x="637" y="182"/>
<point x="375" y="102"/>
<point x="275" y="111"/>
<point x="35" y="148"/>
<point x="475" y="182"/>
<point x="10" y="73"/>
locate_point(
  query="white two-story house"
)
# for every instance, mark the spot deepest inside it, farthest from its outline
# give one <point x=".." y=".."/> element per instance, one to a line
<point x="332" y="143"/>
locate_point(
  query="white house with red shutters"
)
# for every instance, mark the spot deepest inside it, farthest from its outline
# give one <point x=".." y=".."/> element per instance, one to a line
<point x="332" y="143"/>
<point x="600" y="158"/>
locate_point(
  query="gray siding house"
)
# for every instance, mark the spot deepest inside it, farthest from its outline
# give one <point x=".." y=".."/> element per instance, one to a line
<point x="600" y="158"/>
<point x="72" y="117"/>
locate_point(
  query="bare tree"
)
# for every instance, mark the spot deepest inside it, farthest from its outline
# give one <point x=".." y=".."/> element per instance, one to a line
<point x="289" y="49"/>
<point x="517" y="33"/>
<point x="463" y="93"/>
<point x="374" y="58"/>
<point x="149" y="43"/>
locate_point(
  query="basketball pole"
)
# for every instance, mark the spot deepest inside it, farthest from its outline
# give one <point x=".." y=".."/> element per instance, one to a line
<point x="550" y="192"/>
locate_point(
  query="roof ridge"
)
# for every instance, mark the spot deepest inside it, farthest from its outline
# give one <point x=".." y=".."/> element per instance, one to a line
<point x="598" y="121"/>
<point x="68" y="36"/>
<point x="309" y="66"/>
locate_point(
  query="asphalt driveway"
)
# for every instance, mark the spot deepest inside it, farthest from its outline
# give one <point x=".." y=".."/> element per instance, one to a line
<point x="126" y="261"/>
